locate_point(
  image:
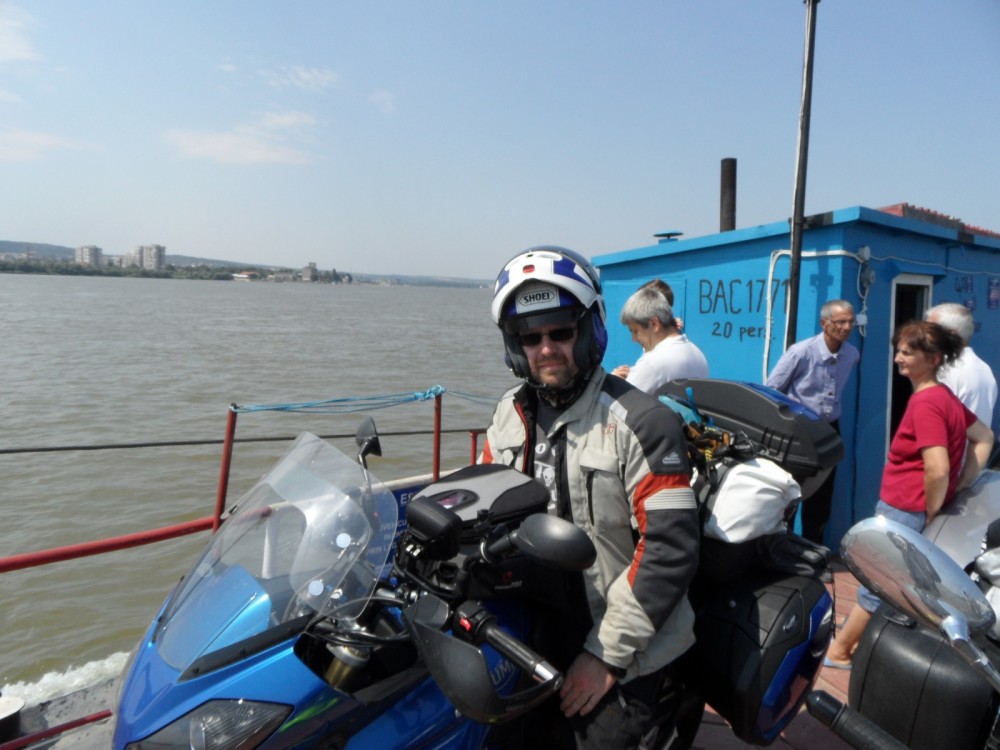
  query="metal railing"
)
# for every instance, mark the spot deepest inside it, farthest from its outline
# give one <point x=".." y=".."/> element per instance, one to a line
<point x="208" y="523"/>
<point x="212" y="522"/>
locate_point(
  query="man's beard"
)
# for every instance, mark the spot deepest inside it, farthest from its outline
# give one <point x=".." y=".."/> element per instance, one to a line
<point x="562" y="395"/>
<point x="566" y="374"/>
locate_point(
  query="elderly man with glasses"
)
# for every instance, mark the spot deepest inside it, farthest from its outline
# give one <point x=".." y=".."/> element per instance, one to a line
<point x="814" y="372"/>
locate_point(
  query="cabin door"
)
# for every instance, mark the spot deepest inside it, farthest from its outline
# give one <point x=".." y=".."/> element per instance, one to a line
<point x="911" y="298"/>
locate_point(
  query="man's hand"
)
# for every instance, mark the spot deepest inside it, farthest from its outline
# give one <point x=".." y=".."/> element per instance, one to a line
<point x="621" y="371"/>
<point x="587" y="681"/>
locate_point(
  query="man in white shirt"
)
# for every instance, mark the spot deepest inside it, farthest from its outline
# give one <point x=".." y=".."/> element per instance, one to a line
<point x="667" y="353"/>
<point x="968" y="377"/>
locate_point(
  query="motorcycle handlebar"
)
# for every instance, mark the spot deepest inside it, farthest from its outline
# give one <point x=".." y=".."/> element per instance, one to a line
<point x="478" y="625"/>
<point x="858" y="731"/>
<point x="459" y="667"/>
<point x="498" y="548"/>
<point x="521" y="655"/>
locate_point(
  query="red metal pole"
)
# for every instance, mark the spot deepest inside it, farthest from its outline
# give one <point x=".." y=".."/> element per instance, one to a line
<point x="473" y="446"/>
<point x="58" y="554"/>
<point x="437" y="437"/>
<point x="227" y="459"/>
<point x="31" y="739"/>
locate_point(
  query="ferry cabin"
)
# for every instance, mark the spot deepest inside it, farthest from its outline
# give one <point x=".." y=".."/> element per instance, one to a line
<point x="892" y="264"/>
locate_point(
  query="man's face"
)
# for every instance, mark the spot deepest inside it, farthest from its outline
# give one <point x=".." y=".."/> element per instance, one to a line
<point x="839" y="326"/>
<point x="643" y="335"/>
<point x="549" y="350"/>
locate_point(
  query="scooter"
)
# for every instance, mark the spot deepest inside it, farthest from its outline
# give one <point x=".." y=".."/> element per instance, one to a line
<point x="316" y="619"/>
<point x="925" y="674"/>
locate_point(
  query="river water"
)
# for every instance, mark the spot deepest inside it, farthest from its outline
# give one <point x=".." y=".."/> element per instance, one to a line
<point x="93" y="361"/>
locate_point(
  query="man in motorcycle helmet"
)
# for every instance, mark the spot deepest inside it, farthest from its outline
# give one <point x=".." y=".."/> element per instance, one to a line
<point x="614" y="460"/>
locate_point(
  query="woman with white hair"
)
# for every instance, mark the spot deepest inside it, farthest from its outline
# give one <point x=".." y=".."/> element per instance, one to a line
<point x="667" y="353"/>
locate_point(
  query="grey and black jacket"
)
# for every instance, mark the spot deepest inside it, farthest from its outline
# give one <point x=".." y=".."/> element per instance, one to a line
<point x="629" y="485"/>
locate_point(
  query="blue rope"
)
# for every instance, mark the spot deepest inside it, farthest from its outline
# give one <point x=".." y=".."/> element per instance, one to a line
<point x="348" y="405"/>
<point x="487" y="400"/>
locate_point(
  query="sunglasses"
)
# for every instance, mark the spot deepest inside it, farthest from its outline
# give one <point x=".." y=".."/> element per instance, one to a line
<point x="556" y="334"/>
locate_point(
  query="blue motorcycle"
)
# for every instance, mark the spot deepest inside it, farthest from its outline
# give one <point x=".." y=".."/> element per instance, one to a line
<point x="309" y="621"/>
<point x="315" y="618"/>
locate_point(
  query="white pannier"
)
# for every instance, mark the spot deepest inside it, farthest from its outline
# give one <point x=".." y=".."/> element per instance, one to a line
<point x="751" y="501"/>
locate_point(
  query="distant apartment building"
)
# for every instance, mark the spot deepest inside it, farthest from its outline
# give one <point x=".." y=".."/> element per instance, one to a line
<point x="89" y="255"/>
<point x="309" y="273"/>
<point x="150" y="257"/>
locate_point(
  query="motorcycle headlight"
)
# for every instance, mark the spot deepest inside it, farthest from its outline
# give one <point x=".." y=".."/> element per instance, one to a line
<point x="218" y="725"/>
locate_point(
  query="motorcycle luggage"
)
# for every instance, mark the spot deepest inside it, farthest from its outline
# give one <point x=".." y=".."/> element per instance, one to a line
<point x="786" y="432"/>
<point x="487" y="494"/>
<point x="726" y="563"/>
<point x="752" y="500"/>
<point x="909" y="681"/>
<point x="490" y="499"/>
<point x="759" y="642"/>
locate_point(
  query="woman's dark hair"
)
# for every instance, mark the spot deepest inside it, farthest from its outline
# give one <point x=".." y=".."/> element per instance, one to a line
<point x="929" y="338"/>
<point x="662" y="287"/>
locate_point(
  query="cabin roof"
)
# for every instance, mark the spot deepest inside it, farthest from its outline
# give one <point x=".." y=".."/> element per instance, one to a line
<point x="898" y="217"/>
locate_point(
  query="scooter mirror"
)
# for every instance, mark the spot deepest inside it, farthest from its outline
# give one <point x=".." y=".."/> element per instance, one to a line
<point x="367" y="440"/>
<point x="913" y="575"/>
<point x="555" y="542"/>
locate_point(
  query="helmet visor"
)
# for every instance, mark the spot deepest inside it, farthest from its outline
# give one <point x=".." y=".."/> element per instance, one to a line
<point x="562" y="316"/>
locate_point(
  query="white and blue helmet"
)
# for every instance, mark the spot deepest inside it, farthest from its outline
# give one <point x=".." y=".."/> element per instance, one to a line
<point x="550" y="285"/>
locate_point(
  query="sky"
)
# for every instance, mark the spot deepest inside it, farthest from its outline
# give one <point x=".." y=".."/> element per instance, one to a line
<point x="441" y="138"/>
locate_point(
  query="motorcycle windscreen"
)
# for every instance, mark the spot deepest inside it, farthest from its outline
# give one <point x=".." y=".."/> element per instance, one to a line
<point x="308" y="539"/>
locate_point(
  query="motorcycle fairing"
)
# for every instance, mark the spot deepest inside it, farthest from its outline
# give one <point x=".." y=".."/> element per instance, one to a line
<point x="153" y="696"/>
<point x="411" y="709"/>
<point x="419" y="718"/>
<point x="309" y="538"/>
<point x="227" y="608"/>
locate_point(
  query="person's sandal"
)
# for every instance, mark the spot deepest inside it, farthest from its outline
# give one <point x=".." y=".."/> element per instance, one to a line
<point x="831" y="664"/>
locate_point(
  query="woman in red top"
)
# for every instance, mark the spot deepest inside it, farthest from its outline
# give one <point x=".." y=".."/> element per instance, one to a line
<point x="925" y="467"/>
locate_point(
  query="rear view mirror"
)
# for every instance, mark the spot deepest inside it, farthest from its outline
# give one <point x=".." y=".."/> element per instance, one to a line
<point x="554" y="542"/>
<point x="913" y="575"/>
<point x="367" y="440"/>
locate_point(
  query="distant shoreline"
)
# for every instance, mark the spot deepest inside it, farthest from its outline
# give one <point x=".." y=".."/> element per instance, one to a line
<point x="50" y="268"/>
<point x="219" y="273"/>
<point x="44" y="259"/>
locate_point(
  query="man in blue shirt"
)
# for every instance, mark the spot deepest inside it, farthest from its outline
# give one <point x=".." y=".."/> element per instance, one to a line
<point x="814" y="372"/>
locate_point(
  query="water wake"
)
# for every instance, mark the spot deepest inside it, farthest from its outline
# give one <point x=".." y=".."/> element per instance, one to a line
<point x="56" y="684"/>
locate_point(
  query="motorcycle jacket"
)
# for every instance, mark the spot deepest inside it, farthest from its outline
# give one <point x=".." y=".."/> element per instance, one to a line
<point x="628" y="481"/>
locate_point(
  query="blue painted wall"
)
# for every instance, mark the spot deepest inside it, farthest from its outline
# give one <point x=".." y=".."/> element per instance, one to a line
<point x="731" y="292"/>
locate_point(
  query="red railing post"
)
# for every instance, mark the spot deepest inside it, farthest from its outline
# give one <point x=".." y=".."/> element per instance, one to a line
<point x="227" y="459"/>
<point x="473" y="446"/>
<point x="437" y="437"/>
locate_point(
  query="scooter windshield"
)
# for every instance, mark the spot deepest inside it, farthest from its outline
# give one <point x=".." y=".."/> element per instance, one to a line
<point x="311" y="538"/>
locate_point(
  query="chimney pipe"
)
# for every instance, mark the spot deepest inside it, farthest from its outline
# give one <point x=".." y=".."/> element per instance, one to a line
<point x="727" y="208"/>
